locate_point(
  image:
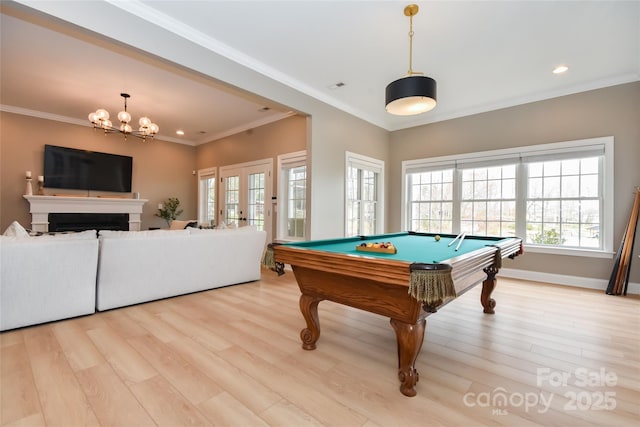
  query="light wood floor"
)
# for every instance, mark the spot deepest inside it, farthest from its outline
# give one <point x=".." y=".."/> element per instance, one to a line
<point x="232" y="357"/>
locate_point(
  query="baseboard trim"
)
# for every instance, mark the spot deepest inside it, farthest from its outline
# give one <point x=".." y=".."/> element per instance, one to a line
<point x="565" y="280"/>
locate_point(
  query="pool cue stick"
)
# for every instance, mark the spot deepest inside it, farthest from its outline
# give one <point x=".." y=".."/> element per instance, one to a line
<point x="460" y="242"/>
<point x="616" y="266"/>
<point x="626" y="282"/>
<point x="633" y="237"/>
<point x="454" y="240"/>
<point x="626" y="254"/>
<point x="625" y="257"/>
<point x="623" y="272"/>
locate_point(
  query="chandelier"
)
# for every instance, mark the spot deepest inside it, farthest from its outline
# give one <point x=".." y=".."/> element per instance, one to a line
<point x="414" y="93"/>
<point x="100" y="120"/>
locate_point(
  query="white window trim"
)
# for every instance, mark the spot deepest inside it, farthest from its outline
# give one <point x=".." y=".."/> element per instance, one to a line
<point x="503" y="155"/>
<point x="202" y="173"/>
<point x="288" y="160"/>
<point x="369" y="163"/>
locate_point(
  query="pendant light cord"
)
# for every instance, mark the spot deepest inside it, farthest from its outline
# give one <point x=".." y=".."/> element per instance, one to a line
<point x="410" y="72"/>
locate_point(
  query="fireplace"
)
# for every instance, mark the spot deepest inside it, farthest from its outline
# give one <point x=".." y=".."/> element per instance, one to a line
<point x="109" y="213"/>
<point x="88" y="221"/>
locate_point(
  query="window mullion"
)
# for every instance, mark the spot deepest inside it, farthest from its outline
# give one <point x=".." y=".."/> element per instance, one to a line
<point x="521" y="199"/>
<point x="457" y="200"/>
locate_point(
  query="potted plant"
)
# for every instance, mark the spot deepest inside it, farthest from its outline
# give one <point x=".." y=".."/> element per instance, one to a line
<point x="170" y="210"/>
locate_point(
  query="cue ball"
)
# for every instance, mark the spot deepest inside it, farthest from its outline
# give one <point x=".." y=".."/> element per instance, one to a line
<point x="437" y="237"/>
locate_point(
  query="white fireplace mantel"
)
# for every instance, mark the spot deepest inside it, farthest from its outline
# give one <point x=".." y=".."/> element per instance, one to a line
<point x="42" y="206"/>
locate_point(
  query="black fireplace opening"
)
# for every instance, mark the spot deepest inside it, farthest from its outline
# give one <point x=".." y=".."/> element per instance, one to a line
<point x="59" y="222"/>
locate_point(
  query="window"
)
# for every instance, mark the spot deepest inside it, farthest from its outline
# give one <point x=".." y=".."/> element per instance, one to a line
<point x="292" y="204"/>
<point x="563" y="202"/>
<point x="431" y="201"/>
<point x="207" y="196"/>
<point x="488" y="201"/>
<point x="557" y="197"/>
<point x="364" y="189"/>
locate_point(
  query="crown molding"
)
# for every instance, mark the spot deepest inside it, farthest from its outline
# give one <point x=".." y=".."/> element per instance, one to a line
<point x="73" y="121"/>
<point x="244" y="127"/>
<point x="434" y="117"/>
<point x="190" y="142"/>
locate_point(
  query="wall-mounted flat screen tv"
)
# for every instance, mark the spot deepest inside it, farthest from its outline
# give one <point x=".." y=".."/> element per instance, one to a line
<point x="71" y="168"/>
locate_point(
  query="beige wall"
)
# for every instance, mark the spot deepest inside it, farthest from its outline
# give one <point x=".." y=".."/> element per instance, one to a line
<point x="264" y="142"/>
<point x="160" y="169"/>
<point x="611" y="111"/>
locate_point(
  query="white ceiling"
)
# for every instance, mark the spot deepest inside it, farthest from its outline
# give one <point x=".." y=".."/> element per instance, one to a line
<point x="484" y="56"/>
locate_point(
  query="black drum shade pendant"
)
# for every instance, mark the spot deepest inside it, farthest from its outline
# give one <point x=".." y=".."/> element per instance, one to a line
<point x="414" y="93"/>
<point x="411" y="95"/>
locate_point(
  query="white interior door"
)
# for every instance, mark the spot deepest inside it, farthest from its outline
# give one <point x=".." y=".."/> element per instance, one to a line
<point x="245" y="195"/>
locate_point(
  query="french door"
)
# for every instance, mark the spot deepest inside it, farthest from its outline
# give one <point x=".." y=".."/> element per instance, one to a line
<point x="245" y="195"/>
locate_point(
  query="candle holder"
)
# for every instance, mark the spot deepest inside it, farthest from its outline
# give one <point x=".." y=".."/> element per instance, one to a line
<point x="40" y="188"/>
<point x="29" y="189"/>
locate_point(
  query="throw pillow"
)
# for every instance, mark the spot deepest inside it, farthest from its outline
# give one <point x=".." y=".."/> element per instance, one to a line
<point x="181" y="225"/>
<point x="16" y="230"/>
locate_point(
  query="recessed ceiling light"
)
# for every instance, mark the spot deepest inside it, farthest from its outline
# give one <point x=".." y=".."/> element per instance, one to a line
<point x="560" y="69"/>
<point x="180" y="132"/>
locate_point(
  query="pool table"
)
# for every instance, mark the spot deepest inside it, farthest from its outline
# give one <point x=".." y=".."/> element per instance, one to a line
<point x="380" y="283"/>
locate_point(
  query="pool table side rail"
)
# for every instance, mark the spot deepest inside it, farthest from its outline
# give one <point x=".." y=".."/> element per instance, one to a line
<point x="378" y="269"/>
<point x="468" y="269"/>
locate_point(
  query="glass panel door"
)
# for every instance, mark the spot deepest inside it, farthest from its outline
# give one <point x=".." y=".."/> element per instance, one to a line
<point x="207" y="183"/>
<point x="255" y="200"/>
<point x="245" y="190"/>
<point x="232" y="200"/>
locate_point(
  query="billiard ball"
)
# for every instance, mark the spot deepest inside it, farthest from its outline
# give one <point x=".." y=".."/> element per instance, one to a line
<point x="437" y="237"/>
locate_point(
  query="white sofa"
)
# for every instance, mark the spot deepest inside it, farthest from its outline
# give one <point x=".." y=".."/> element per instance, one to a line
<point x="55" y="277"/>
<point x="142" y="266"/>
<point x="47" y="278"/>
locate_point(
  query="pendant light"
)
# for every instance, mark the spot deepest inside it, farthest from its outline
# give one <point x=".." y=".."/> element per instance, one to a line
<point x="413" y="93"/>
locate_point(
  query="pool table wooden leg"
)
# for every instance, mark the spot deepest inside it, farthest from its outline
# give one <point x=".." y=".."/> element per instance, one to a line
<point x="487" y="288"/>
<point x="309" y="309"/>
<point x="409" y="339"/>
